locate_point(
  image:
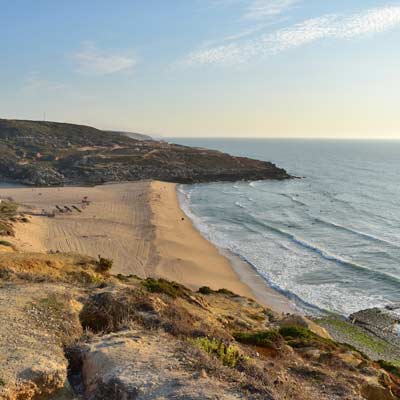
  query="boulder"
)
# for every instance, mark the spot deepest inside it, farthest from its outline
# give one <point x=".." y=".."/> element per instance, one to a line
<point x="304" y="322"/>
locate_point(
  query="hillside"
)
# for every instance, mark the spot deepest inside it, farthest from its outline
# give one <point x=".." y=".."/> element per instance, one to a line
<point x="69" y="330"/>
<point x="50" y="154"/>
<point x="132" y="135"/>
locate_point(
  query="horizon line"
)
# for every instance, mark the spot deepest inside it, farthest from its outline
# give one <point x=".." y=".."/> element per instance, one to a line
<point x="281" y="138"/>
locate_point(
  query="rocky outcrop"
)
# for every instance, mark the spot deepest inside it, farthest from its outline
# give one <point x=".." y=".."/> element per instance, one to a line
<point x="34" y="321"/>
<point x="381" y="322"/>
<point x="137" y="365"/>
<point x="51" y="154"/>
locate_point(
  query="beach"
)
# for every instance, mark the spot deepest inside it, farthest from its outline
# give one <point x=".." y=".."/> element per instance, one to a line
<point x="141" y="227"/>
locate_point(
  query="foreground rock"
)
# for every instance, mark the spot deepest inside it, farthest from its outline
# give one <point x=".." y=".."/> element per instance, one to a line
<point x="51" y="154"/>
<point x="35" y="323"/>
<point x="134" y="364"/>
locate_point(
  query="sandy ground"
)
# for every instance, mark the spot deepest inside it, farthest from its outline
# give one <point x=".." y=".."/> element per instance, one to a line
<point x="115" y="224"/>
<point x="142" y="228"/>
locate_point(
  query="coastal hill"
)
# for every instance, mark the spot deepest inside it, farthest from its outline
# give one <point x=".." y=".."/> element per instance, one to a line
<point x="132" y="135"/>
<point x="70" y="330"/>
<point x="55" y="154"/>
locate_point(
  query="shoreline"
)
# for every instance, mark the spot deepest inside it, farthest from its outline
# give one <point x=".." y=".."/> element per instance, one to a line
<point x="143" y="229"/>
<point x="233" y="273"/>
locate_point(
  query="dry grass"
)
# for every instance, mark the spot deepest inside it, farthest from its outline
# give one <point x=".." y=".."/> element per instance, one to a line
<point x="66" y="268"/>
<point x="111" y="311"/>
<point x="56" y="314"/>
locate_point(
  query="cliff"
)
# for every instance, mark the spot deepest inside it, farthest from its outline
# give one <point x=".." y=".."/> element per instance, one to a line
<point x="51" y="154"/>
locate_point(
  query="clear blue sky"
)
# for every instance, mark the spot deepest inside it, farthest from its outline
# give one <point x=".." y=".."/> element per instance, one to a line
<point x="265" y="68"/>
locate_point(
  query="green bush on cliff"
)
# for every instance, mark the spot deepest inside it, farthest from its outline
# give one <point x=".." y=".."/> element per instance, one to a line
<point x="103" y="264"/>
<point x="205" y="290"/>
<point x="390" y="367"/>
<point x="171" y="289"/>
<point x="8" y="209"/>
<point x="226" y="292"/>
<point x="229" y="355"/>
<point x="268" y="339"/>
<point x="297" y="336"/>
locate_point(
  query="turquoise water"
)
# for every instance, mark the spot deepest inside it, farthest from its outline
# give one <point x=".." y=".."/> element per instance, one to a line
<point x="328" y="241"/>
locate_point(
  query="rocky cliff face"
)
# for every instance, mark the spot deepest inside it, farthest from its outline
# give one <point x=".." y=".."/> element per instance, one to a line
<point x="50" y="154"/>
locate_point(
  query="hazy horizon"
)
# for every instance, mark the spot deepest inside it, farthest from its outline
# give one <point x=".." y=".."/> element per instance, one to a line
<point x="211" y="68"/>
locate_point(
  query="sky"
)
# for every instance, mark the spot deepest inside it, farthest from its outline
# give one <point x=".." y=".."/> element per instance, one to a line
<point x="215" y="68"/>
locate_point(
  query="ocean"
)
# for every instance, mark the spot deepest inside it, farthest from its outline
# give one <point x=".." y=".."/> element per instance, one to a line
<point x="329" y="241"/>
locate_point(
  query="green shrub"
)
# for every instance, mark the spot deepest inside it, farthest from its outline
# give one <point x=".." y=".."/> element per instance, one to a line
<point x="8" y="209"/>
<point x="103" y="264"/>
<point x="268" y="339"/>
<point x="295" y="332"/>
<point x="5" y="243"/>
<point x="171" y="289"/>
<point x="229" y="355"/>
<point x="205" y="290"/>
<point x="390" y="367"/>
<point x="226" y="292"/>
<point x="6" y="229"/>
<point x="297" y="336"/>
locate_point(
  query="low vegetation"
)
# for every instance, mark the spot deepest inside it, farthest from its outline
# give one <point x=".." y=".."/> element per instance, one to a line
<point x="267" y="339"/>
<point x="39" y="268"/>
<point x="229" y="355"/>
<point x="171" y="289"/>
<point x="393" y="368"/>
<point x="207" y="290"/>
<point x="8" y="209"/>
<point x="109" y="312"/>
<point x="298" y="337"/>
<point x="103" y="264"/>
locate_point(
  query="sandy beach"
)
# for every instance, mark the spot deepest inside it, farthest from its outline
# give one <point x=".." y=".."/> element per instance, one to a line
<point x="141" y="227"/>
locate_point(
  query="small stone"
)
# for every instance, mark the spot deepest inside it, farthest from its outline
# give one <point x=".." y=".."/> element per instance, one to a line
<point x="203" y="374"/>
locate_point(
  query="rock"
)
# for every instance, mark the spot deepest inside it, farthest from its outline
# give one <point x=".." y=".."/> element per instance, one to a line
<point x="374" y="391"/>
<point x="203" y="374"/>
<point x="381" y="322"/>
<point x="349" y="359"/>
<point x="312" y="354"/>
<point x="299" y="320"/>
<point x="33" y="364"/>
<point x="133" y="364"/>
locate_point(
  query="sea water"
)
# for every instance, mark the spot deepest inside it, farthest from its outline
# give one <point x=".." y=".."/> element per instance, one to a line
<point x="328" y="241"/>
